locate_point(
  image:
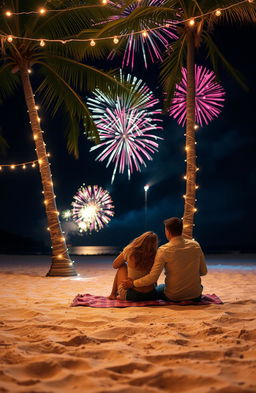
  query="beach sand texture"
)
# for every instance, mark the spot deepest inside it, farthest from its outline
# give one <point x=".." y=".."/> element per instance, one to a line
<point x="48" y="347"/>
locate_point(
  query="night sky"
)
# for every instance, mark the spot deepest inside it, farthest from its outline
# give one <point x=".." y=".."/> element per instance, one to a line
<point x="225" y="220"/>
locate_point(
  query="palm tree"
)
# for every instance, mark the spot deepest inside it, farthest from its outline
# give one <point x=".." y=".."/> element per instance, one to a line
<point x="63" y="74"/>
<point x="195" y="32"/>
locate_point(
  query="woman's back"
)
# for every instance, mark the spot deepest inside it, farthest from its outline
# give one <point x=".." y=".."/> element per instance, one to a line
<point x="134" y="273"/>
<point x="135" y="270"/>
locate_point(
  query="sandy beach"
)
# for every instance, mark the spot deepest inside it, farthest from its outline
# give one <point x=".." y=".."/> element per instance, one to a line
<point x="49" y="347"/>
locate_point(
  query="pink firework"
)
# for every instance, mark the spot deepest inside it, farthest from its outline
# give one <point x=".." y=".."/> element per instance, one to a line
<point x="92" y="208"/>
<point x="152" y="44"/>
<point x="126" y="132"/>
<point x="209" y="97"/>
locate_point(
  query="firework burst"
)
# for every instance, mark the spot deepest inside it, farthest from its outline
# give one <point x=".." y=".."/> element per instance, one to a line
<point x="126" y="126"/>
<point x="209" y="97"/>
<point x="152" y="43"/>
<point x="92" y="208"/>
<point x="66" y="215"/>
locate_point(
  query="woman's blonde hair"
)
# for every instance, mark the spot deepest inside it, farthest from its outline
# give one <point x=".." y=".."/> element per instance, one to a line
<point x="143" y="250"/>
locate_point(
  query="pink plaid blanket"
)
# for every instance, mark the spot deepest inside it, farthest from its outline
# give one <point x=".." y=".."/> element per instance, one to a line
<point x="103" y="302"/>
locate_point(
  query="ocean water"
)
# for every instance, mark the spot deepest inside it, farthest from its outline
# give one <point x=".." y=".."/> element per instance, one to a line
<point x="231" y="261"/>
<point x="36" y="263"/>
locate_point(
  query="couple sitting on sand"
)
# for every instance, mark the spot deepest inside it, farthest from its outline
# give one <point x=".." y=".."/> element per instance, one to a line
<point x="141" y="263"/>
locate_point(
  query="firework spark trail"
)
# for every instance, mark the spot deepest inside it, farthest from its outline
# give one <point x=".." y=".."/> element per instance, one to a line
<point x="154" y="43"/>
<point x="126" y="130"/>
<point x="209" y="97"/>
<point x="92" y="208"/>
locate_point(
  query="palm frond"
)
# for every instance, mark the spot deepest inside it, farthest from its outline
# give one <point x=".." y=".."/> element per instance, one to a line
<point x="57" y="94"/>
<point x="171" y="67"/>
<point x="215" y="54"/>
<point x="9" y="81"/>
<point x="64" y="24"/>
<point x="244" y="13"/>
<point x="198" y="6"/>
<point x="72" y="135"/>
<point x="84" y="77"/>
<point x="140" y="16"/>
<point x="236" y="14"/>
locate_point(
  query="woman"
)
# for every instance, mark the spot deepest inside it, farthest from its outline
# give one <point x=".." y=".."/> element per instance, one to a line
<point x="139" y="255"/>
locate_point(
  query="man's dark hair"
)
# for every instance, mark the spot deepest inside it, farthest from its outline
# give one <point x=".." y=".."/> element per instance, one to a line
<point x="174" y="225"/>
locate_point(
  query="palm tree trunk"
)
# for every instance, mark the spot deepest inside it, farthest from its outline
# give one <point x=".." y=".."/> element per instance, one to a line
<point x="61" y="263"/>
<point x="189" y="208"/>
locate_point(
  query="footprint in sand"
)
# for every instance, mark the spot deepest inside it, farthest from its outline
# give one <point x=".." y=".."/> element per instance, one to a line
<point x="12" y="356"/>
<point x="119" y="332"/>
<point x="178" y="341"/>
<point x="198" y="355"/>
<point x="130" y="368"/>
<point x="247" y="334"/>
<point x="80" y="340"/>
<point x="175" y="381"/>
<point x="28" y="382"/>
<point x="44" y="369"/>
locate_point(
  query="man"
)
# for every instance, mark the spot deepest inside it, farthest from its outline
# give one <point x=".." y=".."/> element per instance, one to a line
<point x="184" y="263"/>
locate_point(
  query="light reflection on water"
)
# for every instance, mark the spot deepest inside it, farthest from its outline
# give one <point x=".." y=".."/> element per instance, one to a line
<point x="94" y="250"/>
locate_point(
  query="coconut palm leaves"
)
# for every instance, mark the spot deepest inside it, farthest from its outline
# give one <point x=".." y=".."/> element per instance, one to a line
<point x="65" y="70"/>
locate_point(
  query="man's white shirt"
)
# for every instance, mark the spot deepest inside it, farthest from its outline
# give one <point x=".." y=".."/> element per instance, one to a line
<point x="184" y="263"/>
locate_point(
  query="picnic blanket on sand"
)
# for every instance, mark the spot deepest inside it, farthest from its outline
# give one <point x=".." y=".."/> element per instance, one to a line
<point x="88" y="300"/>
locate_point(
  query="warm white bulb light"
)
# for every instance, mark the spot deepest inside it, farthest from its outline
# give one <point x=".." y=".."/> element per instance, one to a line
<point x="92" y="43"/>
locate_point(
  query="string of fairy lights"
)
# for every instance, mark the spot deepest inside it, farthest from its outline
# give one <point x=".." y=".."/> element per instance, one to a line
<point x="116" y="38"/>
<point x="23" y="165"/>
